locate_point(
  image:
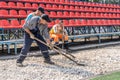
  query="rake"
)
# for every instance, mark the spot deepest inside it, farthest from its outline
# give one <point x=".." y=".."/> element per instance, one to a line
<point x="60" y="51"/>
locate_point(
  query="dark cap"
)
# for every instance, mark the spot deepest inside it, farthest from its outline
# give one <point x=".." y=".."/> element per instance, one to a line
<point x="46" y="17"/>
<point x="41" y="9"/>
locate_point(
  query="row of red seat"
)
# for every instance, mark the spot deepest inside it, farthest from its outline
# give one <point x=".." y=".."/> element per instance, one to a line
<point x="69" y="23"/>
<point x="11" y="24"/>
<point x="22" y="14"/>
<point x="70" y="2"/>
<point x="87" y="22"/>
<point x="56" y="7"/>
<point x="81" y="9"/>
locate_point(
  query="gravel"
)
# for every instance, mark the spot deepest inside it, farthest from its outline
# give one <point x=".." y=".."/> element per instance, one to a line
<point x="99" y="61"/>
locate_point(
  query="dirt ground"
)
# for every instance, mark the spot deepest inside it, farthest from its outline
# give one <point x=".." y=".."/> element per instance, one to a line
<point x="99" y="61"/>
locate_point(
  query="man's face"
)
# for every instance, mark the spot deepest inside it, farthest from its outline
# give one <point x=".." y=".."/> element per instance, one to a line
<point x="61" y="24"/>
<point x="39" y="13"/>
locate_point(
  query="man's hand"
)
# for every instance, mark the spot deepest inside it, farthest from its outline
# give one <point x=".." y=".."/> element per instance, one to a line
<point x="48" y="41"/>
<point x="32" y="36"/>
<point x="50" y="44"/>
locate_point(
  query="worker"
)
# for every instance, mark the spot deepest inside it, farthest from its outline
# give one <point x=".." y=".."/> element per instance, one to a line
<point x="32" y="29"/>
<point x="58" y="33"/>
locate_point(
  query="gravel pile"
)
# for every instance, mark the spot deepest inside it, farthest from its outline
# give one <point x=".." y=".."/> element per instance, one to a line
<point x="99" y="61"/>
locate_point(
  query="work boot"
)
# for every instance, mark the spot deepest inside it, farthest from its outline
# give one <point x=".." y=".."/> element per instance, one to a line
<point x="48" y="61"/>
<point x="19" y="64"/>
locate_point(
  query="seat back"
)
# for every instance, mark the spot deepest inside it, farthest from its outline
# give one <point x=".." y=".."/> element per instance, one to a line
<point x="13" y="12"/>
<point x="35" y="5"/>
<point x="14" y="23"/>
<point x="28" y="5"/>
<point x="22" y="12"/>
<point x="4" y="22"/>
<point x="3" y="12"/>
<point x="20" y="4"/>
<point x="11" y="4"/>
<point x="2" y="3"/>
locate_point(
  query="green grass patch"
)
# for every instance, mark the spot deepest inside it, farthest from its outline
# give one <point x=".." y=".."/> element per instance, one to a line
<point x="112" y="76"/>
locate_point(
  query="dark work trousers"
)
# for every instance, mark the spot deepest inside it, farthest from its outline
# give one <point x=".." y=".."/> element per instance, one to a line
<point x="27" y="44"/>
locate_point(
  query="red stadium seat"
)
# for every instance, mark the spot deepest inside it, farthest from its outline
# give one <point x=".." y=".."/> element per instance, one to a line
<point x="97" y="15"/>
<point x="53" y="14"/>
<point x="77" y="22"/>
<point x="20" y="4"/>
<point x="85" y="3"/>
<point x="118" y="22"/>
<point x="118" y="10"/>
<point x="72" y="2"/>
<point x="29" y="11"/>
<point x="35" y="5"/>
<point x="28" y="5"/>
<point x="51" y="0"/>
<point x="22" y="22"/>
<point x="102" y="15"/>
<point x="81" y="8"/>
<point x="109" y="15"/>
<point x="80" y="3"/>
<point x="57" y="1"/>
<point x="99" y="9"/>
<point x="72" y="7"/>
<point x="77" y="14"/>
<point x="72" y="14"/>
<point x="89" y="3"/>
<point x="4" y="13"/>
<point x="89" y="22"/>
<point x="60" y="6"/>
<point x="57" y="21"/>
<point x="71" y="22"/>
<point x="90" y="8"/>
<point x="54" y="6"/>
<point x="118" y="15"/>
<point x="45" y="0"/>
<point x="76" y="2"/>
<point x="15" y="24"/>
<point x="62" y="1"/>
<point x="109" y="22"/>
<point x="113" y="22"/>
<point x="105" y="15"/>
<point x="114" y="15"/>
<point x="4" y="23"/>
<point x="94" y="22"/>
<point x="66" y="7"/>
<point x="76" y="7"/>
<point x="87" y="14"/>
<point x="106" y="9"/>
<point x="22" y="13"/>
<point x="95" y="9"/>
<point x="103" y="22"/>
<point x="13" y="13"/>
<point x="46" y="12"/>
<point x="83" y="22"/>
<point x="93" y="4"/>
<point x="11" y="4"/>
<point x="59" y="14"/>
<point x="51" y="24"/>
<point x="66" y="22"/>
<point x="82" y="14"/>
<point x="65" y="14"/>
<point x="48" y="6"/>
<point x="86" y="8"/>
<point x="42" y="5"/>
<point x="3" y="4"/>
<point x="111" y="10"/>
